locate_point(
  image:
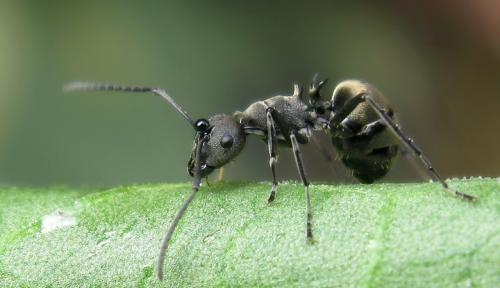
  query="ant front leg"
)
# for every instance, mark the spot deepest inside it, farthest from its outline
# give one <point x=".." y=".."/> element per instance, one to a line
<point x="271" y="146"/>
<point x="300" y="167"/>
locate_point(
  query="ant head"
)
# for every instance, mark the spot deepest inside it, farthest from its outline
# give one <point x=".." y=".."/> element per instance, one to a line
<point x="226" y="138"/>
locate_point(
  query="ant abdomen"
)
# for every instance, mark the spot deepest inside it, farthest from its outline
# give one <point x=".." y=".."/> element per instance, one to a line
<point x="361" y="138"/>
<point x="368" y="166"/>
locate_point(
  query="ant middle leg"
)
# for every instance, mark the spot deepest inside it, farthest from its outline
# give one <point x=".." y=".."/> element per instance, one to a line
<point x="300" y="168"/>
<point x="271" y="146"/>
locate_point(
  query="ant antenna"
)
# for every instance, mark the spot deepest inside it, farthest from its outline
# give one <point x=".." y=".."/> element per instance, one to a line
<point x="200" y="141"/>
<point x="95" y="86"/>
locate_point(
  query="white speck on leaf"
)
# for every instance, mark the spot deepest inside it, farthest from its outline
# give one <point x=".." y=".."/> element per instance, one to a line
<point x="57" y="220"/>
<point x="372" y="245"/>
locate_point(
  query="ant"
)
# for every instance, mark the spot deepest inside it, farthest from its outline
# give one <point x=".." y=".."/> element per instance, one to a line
<point x="362" y="126"/>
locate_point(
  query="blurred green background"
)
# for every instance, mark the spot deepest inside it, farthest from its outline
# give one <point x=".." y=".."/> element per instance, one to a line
<point x="437" y="61"/>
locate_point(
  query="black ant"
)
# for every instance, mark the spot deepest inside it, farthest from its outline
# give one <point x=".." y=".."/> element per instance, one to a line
<point x="362" y="126"/>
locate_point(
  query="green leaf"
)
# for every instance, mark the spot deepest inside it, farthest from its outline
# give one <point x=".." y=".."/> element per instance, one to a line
<point x="383" y="235"/>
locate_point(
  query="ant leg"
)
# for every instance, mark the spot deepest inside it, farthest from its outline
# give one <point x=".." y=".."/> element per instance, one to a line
<point x="271" y="146"/>
<point x="412" y="146"/>
<point x="300" y="168"/>
<point x="343" y="112"/>
<point x="367" y="133"/>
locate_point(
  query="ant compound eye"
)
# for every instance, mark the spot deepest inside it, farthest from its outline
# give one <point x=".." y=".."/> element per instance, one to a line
<point x="202" y="125"/>
<point x="227" y="141"/>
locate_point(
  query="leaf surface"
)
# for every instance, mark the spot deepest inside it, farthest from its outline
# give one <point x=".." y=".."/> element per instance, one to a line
<point x="382" y="235"/>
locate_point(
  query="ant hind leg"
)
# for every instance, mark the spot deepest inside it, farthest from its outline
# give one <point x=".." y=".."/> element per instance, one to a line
<point x="413" y="147"/>
<point x="300" y="168"/>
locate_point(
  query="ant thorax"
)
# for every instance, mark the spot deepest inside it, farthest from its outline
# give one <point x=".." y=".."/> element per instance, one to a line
<point x="292" y="113"/>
